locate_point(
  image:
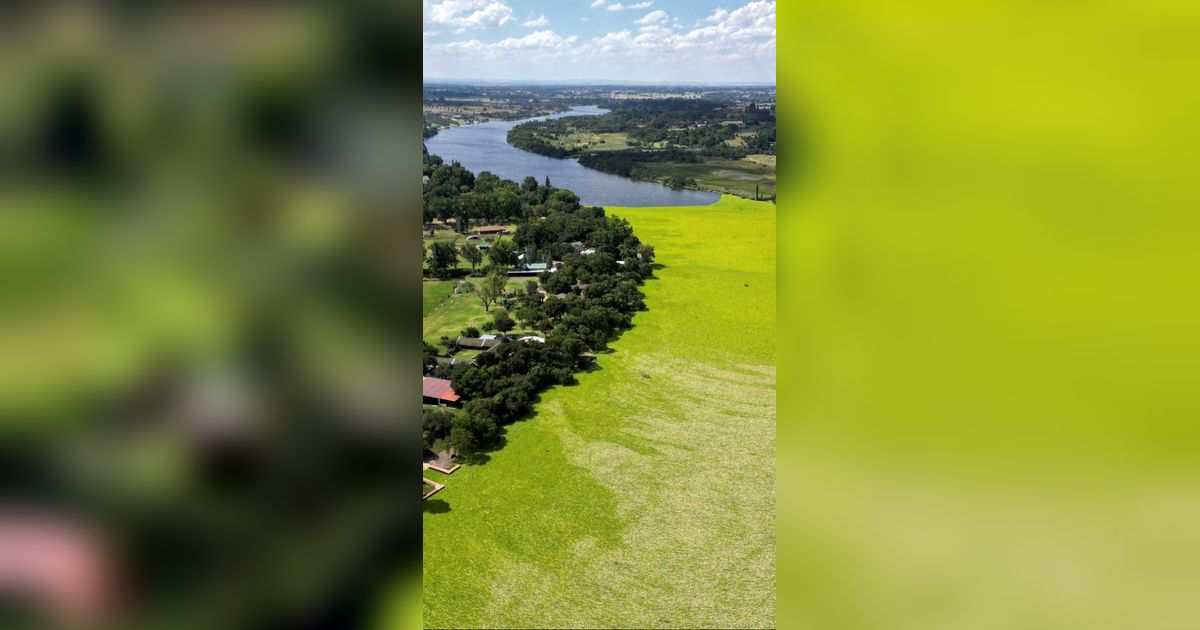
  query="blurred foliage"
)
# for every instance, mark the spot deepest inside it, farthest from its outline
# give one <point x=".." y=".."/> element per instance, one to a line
<point x="204" y="290"/>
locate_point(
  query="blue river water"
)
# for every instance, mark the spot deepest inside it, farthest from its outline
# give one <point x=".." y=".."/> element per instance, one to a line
<point x="483" y="147"/>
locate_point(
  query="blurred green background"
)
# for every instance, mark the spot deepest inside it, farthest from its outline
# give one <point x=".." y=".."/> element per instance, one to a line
<point x="209" y="268"/>
<point x="988" y="340"/>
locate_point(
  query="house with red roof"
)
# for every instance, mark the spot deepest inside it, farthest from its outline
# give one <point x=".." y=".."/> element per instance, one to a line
<point x="437" y="391"/>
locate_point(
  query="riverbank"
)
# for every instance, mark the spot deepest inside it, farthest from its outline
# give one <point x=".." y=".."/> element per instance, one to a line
<point x="741" y="178"/>
<point x="436" y="122"/>
<point x="750" y="176"/>
<point x="484" y="147"/>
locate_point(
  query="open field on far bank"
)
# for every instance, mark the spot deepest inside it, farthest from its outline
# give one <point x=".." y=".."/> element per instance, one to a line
<point x="644" y="495"/>
<point x="734" y="177"/>
<point x="455" y="112"/>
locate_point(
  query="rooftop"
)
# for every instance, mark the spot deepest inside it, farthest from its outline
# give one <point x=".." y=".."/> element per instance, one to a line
<point x="437" y="388"/>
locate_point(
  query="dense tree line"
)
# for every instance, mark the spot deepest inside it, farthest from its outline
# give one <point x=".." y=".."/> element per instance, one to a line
<point x="625" y="162"/>
<point x="599" y="296"/>
<point x="453" y="192"/>
<point x="668" y="123"/>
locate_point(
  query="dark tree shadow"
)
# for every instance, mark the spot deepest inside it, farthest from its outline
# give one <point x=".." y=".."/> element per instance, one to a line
<point x="436" y="506"/>
<point x="479" y="458"/>
<point x="594" y="366"/>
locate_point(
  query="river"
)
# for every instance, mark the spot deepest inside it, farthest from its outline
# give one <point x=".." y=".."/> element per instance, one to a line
<point x="483" y="147"/>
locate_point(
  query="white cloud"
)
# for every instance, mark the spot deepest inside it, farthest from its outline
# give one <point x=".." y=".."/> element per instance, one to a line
<point x="617" y="6"/>
<point x="430" y="33"/>
<point x="537" y="39"/>
<point x="536" y="22"/>
<point x="756" y="20"/>
<point x="611" y="41"/>
<point x="717" y="16"/>
<point x="727" y="45"/>
<point x="653" y="17"/>
<point x="597" y="3"/>
<point x="468" y="13"/>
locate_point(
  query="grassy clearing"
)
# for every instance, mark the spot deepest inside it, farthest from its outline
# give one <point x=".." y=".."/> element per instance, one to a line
<point x="444" y="235"/>
<point x="452" y="313"/>
<point x="434" y="296"/>
<point x="644" y="495"/>
<point x="445" y="312"/>
<point x="585" y="140"/>
<point x="734" y="177"/>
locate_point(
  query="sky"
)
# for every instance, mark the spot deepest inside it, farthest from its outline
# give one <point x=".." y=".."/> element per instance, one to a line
<point x="660" y="41"/>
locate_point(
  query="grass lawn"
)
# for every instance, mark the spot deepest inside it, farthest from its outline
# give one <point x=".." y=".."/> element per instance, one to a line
<point x="445" y="313"/>
<point x="644" y="495"/>
<point x="581" y="140"/>
<point x="452" y="312"/>
<point x="467" y="354"/>
<point x="435" y="295"/>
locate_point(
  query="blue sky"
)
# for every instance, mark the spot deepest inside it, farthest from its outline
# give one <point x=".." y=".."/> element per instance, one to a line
<point x="703" y="41"/>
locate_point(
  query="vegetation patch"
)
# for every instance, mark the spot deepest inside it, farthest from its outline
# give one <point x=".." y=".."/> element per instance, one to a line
<point x="643" y="496"/>
<point x="744" y="177"/>
<point x="453" y="311"/>
<point x="683" y="143"/>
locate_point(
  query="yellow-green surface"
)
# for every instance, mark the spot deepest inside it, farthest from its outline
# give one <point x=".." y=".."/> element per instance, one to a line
<point x="989" y="350"/>
<point x="644" y="495"/>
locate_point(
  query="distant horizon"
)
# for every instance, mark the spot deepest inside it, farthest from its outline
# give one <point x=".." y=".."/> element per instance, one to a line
<point x="663" y="42"/>
<point x="592" y="83"/>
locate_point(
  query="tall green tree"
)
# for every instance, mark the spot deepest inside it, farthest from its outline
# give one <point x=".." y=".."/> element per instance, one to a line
<point x="443" y="256"/>
<point x="503" y="253"/>
<point x="503" y="322"/>
<point x="491" y="289"/>
<point x="471" y="254"/>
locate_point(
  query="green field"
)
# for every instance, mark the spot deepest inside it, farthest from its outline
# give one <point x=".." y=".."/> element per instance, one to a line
<point x="589" y="141"/>
<point x="644" y="495"/>
<point x="733" y="177"/>
<point x="445" y="313"/>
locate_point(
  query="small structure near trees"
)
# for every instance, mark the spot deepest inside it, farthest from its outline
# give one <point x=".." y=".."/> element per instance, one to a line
<point x="477" y="343"/>
<point x="437" y="391"/>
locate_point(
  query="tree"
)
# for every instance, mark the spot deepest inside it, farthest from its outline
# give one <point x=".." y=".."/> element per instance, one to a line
<point x="443" y="256"/>
<point x="472" y="430"/>
<point x="530" y="184"/>
<point x="471" y="254"/>
<point x="491" y="289"/>
<point x="503" y="253"/>
<point x="563" y="201"/>
<point x="428" y="357"/>
<point x="435" y="425"/>
<point x="502" y="322"/>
